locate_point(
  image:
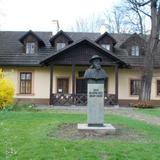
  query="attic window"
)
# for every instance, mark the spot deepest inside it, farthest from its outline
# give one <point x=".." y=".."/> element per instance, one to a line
<point x="30" y="47"/>
<point x="60" y="46"/>
<point x="135" y="51"/>
<point x="106" y="46"/>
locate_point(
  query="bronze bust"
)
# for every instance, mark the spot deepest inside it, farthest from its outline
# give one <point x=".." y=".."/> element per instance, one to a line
<point x="95" y="71"/>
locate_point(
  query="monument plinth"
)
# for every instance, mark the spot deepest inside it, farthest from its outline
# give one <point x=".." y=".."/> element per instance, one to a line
<point x="96" y="76"/>
<point x="95" y="97"/>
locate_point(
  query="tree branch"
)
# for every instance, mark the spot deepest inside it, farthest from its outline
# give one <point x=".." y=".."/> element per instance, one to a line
<point x="143" y="4"/>
<point x="145" y="13"/>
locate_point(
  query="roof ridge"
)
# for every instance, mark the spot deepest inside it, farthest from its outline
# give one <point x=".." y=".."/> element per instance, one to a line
<point x="82" y="32"/>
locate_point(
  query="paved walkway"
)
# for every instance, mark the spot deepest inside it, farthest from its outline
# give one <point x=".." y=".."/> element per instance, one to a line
<point x="122" y="111"/>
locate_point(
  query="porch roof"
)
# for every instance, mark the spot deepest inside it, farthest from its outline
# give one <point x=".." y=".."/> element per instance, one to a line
<point x="79" y="52"/>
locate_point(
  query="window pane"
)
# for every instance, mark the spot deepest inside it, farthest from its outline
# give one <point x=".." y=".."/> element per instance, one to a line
<point x="106" y="46"/>
<point x="22" y="87"/>
<point x="60" y="45"/>
<point x="22" y="76"/>
<point x="28" y="87"/>
<point x="25" y="83"/>
<point x="135" y="51"/>
<point x="30" y="48"/>
<point x="28" y="76"/>
<point x="135" y="87"/>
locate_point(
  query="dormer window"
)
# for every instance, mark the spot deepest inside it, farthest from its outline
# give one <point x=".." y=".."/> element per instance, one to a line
<point x="30" y="48"/>
<point x="106" y="46"/>
<point x="135" y="51"/>
<point x="60" y="46"/>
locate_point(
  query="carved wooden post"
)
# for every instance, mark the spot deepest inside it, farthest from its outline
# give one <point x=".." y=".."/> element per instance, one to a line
<point x="51" y="83"/>
<point x="116" y="83"/>
<point x="73" y="82"/>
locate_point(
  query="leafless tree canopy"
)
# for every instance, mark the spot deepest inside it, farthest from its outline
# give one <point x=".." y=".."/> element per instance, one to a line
<point x="88" y="24"/>
<point x="127" y="17"/>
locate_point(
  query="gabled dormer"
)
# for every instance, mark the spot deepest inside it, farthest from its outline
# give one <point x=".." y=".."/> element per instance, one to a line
<point x="106" y="41"/>
<point x="135" y="45"/>
<point x="31" y="42"/>
<point x="60" y="40"/>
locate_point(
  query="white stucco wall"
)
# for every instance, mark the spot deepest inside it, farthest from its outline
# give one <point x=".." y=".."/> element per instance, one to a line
<point x="41" y="80"/>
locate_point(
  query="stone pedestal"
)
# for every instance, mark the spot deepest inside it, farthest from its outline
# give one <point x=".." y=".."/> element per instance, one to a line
<point x="103" y="130"/>
<point x="95" y="98"/>
<point x="95" y="110"/>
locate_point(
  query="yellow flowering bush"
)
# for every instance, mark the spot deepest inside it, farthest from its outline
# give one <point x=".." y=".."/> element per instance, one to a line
<point x="6" y="91"/>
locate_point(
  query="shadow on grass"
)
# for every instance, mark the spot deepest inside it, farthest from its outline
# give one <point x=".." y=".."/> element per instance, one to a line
<point x="69" y="131"/>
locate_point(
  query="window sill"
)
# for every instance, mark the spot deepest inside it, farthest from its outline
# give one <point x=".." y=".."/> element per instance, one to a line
<point x="20" y="94"/>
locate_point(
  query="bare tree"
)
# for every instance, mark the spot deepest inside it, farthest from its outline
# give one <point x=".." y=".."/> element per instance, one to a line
<point x="151" y="47"/>
<point x="88" y="24"/>
<point x="126" y="18"/>
<point x="115" y="21"/>
<point x="140" y="14"/>
<point x="152" y="42"/>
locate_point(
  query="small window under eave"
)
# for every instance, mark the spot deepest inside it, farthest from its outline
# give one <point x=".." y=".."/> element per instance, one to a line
<point x="31" y="42"/>
<point x="30" y="47"/>
<point x="106" y="46"/>
<point x="135" y="51"/>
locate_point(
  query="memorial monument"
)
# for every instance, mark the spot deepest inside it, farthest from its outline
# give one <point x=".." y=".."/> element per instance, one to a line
<point x="96" y="76"/>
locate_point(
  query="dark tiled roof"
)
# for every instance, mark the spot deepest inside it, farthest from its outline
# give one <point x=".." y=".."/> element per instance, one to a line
<point x="86" y="39"/>
<point x="120" y="38"/>
<point x="59" y="33"/>
<point x="75" y="36"/>
<point x="11" y="50"/>
<point x="108" y="35"/>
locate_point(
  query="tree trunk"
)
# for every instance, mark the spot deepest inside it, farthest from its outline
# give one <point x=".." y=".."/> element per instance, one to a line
<point x="146" y="83"/>
<point x="147" y="76"/>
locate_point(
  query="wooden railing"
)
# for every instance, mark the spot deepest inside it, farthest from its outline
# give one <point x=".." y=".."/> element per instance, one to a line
<point x="78" y="99"/>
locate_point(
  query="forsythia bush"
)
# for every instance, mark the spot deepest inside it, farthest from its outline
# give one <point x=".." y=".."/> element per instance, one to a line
<point x="6" y="91"/>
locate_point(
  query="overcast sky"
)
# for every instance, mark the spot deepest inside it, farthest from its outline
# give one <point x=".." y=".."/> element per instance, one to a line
<point x="38" y="14"/>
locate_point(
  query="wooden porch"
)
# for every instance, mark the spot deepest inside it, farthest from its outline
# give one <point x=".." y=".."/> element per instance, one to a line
<point x="78" y="54"/>
<point x="78" y="99"/>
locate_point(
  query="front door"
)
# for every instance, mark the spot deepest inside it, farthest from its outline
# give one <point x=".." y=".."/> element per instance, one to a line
<point x="62" y="85"/>
<point x="81" y="86"/>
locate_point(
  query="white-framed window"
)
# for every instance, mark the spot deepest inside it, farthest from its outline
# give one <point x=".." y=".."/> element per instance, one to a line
<point x="135" y="51"/>
<point x="60" y="46"/>
<point x="25" y="82"/>
<point x="106" y="46"/>
<point x="30" y="47"/>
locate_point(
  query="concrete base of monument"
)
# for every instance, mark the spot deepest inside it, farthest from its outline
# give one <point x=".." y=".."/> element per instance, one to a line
<point x="105" y="129"/>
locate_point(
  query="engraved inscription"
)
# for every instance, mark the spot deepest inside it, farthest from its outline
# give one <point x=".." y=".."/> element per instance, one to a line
<point x="95" y="93"/>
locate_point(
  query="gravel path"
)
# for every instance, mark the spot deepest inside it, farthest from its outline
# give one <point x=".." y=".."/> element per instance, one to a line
<point x="132" y="113"/>
<point x="122" y="111"/>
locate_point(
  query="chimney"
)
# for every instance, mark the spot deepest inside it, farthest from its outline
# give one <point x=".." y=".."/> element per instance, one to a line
<point x="56" y="22"/>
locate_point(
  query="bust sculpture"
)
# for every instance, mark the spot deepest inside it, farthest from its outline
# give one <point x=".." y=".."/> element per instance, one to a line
<point x="95" y="71"/>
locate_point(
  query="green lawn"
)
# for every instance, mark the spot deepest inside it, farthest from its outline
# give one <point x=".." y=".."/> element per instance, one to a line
<point x="153" y="111"/>
<point x="24" y="136"/>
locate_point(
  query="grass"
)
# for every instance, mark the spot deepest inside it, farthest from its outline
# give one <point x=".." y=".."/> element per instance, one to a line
<point x="24" y="136"/>
<point x="152" y="112"/>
